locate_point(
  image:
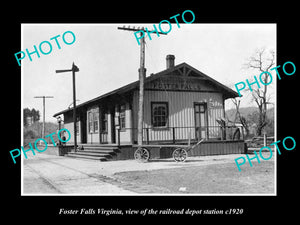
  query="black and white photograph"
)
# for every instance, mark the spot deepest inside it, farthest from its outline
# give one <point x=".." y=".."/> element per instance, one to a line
<point x="148" y="109"/>
<point x="130" y="112"/>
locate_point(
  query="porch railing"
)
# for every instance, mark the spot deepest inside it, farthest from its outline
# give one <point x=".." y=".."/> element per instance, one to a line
<point x="179" y="135"/>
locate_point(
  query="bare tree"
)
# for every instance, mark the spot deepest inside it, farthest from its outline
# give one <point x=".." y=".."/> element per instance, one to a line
<point x="262" y="61"/>
<point x="238" y="117"/>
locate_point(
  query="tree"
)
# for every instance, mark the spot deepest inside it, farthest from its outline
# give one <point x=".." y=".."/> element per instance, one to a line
<point x="26" y="114"/>
<point x="238" y="117"/>
<point x="34" y="114"/>
<point x="262" y="61"/>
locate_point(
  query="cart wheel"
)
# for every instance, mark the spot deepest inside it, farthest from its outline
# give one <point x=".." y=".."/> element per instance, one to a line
<point x="142" y="154"/>
<point x="180" y="154"/>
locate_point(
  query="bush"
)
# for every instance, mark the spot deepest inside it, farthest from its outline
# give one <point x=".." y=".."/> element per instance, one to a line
<point x="29" y="134"/>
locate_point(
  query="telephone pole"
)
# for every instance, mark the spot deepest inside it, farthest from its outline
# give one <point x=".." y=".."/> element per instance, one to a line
<point x="73" y="70"/>
<point x="142" y="76"/>
<point x="44" y="109"/>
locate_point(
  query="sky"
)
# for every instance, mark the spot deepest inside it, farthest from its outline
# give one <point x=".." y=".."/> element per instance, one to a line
<point x="108" y="58"/>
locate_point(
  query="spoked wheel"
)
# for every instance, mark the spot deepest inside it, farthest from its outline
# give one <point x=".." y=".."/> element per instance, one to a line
<point x="142" y="154"/>
<point x="180" y="154"/>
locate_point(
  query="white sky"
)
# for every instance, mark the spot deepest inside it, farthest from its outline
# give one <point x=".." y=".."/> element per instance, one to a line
<point x="108" y="58"/>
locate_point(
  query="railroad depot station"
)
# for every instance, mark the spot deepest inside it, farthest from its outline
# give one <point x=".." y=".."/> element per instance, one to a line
<point x="181" y="105"/>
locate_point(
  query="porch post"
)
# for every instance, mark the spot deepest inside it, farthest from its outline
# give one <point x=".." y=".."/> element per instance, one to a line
<point x="119" y="139"/>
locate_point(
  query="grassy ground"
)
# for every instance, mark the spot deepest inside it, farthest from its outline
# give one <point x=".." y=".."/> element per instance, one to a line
<point x="220" y="178"/>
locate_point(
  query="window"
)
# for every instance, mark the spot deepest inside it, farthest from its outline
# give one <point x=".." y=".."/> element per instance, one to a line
<point x="159" y="112"/>
<point x="122" y="117"/>
<point x="103" y="122"/>
<point x="90" y="118"/>
<point x="96" y="121"/>
<point x="93" y="120"/>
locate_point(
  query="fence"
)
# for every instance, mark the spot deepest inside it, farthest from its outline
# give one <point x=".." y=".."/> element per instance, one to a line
<point x="260" y="141"/>
<point x="177" y="135"/>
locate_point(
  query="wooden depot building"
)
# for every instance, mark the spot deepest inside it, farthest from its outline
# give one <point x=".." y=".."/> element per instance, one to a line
<point x="180" y="104"/>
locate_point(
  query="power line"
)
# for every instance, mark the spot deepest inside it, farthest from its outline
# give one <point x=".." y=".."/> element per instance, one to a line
<point x="44" y="109"/>
<point x="142" y="75"/>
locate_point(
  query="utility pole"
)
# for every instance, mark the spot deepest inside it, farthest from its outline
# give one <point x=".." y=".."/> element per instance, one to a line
<point x="73" y="70"/>
<point x="44" y="109"/>
<point x="142" y="76"/>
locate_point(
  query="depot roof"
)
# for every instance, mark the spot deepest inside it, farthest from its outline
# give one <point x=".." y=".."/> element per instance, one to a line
<point x="182" y="69"/>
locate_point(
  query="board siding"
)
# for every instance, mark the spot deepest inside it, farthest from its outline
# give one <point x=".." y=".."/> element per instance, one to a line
<point x="181" y="113"/>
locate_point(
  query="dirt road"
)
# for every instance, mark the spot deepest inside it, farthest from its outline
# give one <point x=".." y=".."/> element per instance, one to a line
<point x="48" y="174"/>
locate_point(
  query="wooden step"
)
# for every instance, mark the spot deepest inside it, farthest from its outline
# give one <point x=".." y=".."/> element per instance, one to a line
<point x="107" y="152"/>
<point x="100" y="152"/>
<point x="91" y="153"/>
<point x="101" y="148"/>
<point x="74" y="155"/>
<point x="99" y="145"/>
<point x="95" y="152"/>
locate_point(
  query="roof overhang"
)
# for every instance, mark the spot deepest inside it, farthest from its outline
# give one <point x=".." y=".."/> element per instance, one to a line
<point x="182" y="69"/>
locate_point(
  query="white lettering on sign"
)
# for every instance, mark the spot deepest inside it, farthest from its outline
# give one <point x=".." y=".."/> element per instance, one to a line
<point x="168" y="85"/>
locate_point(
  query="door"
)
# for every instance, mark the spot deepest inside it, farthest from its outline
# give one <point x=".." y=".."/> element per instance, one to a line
<point x="103" y="127"/>
<point x="201" y="124"/>
<point x="112" y="124"/>
<point x="83" y="128"/>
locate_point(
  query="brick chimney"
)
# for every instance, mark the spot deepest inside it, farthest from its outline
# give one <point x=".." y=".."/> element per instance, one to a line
<point x="170" y="61"/>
